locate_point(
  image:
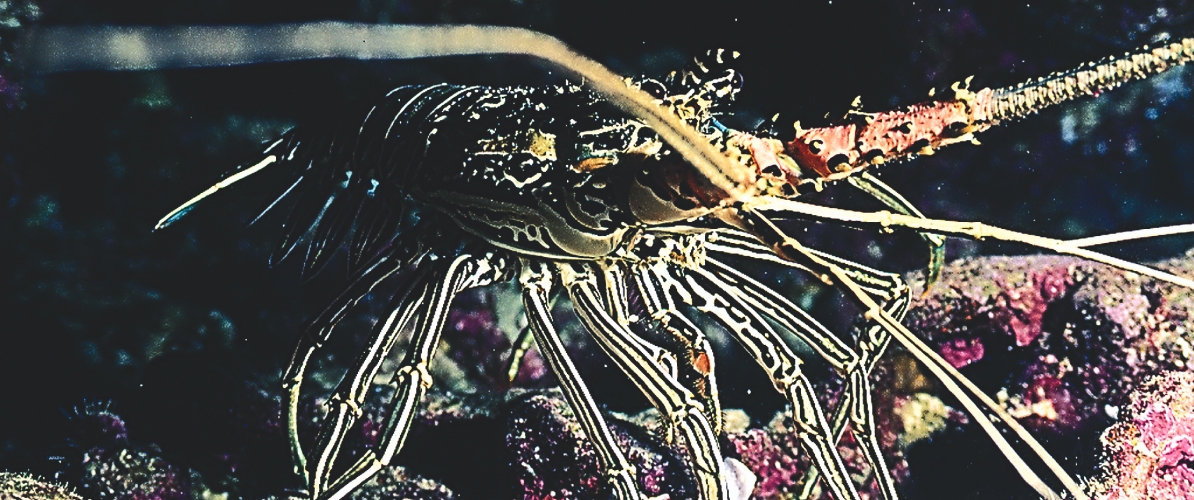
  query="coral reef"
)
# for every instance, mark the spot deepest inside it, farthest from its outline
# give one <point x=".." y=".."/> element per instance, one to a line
<point x="16" y="486"/>
<point x="1070" y="337"/>
<point x="132" y="475"/>
<point x="1150" y="451"/>
<point x="186" y="330"/>
<point x="1061" y="341"/>
<point x="553" y="460"/>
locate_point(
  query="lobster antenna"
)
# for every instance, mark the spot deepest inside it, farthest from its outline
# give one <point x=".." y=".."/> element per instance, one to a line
<point x="839" y="151"/>
<point x="62" y="48"/>
<point x="1088" y="80"/>
<point x="1137" y="234"/>
<point x="976" y="230"/>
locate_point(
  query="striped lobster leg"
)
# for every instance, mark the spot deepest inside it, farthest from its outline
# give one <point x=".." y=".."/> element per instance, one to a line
<point x="676" y="403"/>
<point x="696" y="367"/>
<point x="855" y="366"/>
<point x="412" y="377"/>
<point x="318" y="331"/>
<point x="711" y="296"/>
<point x="537" y="282"/>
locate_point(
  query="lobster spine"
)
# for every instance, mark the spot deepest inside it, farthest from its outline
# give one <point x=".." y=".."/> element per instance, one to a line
<point x="837" y="151"/>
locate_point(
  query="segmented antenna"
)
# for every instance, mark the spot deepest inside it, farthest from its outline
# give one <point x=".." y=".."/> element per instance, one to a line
<point x="1090" y="80"/>
<point x="838" y="151"/>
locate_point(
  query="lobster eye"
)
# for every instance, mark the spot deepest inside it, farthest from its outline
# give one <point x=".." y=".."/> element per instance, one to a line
<point x="872" y="155"/>
<point x="839" y="163"/>
<point x="816" y="146"/>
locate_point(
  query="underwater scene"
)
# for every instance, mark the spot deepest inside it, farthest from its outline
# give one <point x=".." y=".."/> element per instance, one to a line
<point x="150" y="353"/>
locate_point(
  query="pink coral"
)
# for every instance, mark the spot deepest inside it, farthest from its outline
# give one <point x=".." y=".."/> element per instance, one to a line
<point x="962" y="351"/>
<point x="1061" y="336"/>
<point x="774" y="455"/>
<point x="776" y="466"/>
<point x="1150" y="454"/>
<point x="1028" y="300"/>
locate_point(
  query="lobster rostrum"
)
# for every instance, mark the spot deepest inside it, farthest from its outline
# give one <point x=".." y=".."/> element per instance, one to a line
<point x="461" y="187"/>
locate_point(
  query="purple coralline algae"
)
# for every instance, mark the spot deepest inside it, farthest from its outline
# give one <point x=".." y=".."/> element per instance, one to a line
<point x="1150" y="452"/>
<point x="1069" y="337"/>
<point x="548" y="447"/>
<point x="483" y="349"/>
<point x="554" y="461"/>
<point x="773" y="454"/>
<point x="775" y="461"/>
<point x="128" y="474"/>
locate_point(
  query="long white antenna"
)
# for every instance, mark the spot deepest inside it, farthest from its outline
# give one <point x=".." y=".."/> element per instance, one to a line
<point x="61" y="48"/>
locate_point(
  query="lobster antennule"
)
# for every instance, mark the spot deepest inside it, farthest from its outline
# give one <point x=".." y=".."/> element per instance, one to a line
<point x="837" y="151"/>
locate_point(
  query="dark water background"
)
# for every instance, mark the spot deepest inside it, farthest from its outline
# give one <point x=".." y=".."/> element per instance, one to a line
<point x="96" y="307"/>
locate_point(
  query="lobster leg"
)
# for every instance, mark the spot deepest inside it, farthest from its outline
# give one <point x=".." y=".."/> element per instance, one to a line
<point x="317" y="332"/>
<point x="412" y="377"/>
<point x="895" y="297"/>
<point x="855" y="403"/>
<point x="617" y="305"/>
<point x="761" y="298"/>
<point x="687" y="356"/>
<point x="671" y="399"/>
<point x="951" y="379"/>
<point x="536" y="283"/>
<point x="890" y="197"/>
<point x="345" y="402"/>
<point x="712" y="296"/>
<point x="521" y="345"/>
<point x="700" y="360"/>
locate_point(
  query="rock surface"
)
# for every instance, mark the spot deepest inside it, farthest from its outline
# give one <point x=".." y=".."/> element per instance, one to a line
<point x="1061" y="341"/>
<point x="1150" y="451"/>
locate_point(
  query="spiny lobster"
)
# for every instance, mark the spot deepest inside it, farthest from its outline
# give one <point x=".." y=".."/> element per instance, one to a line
<point x="557" y="188"/>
